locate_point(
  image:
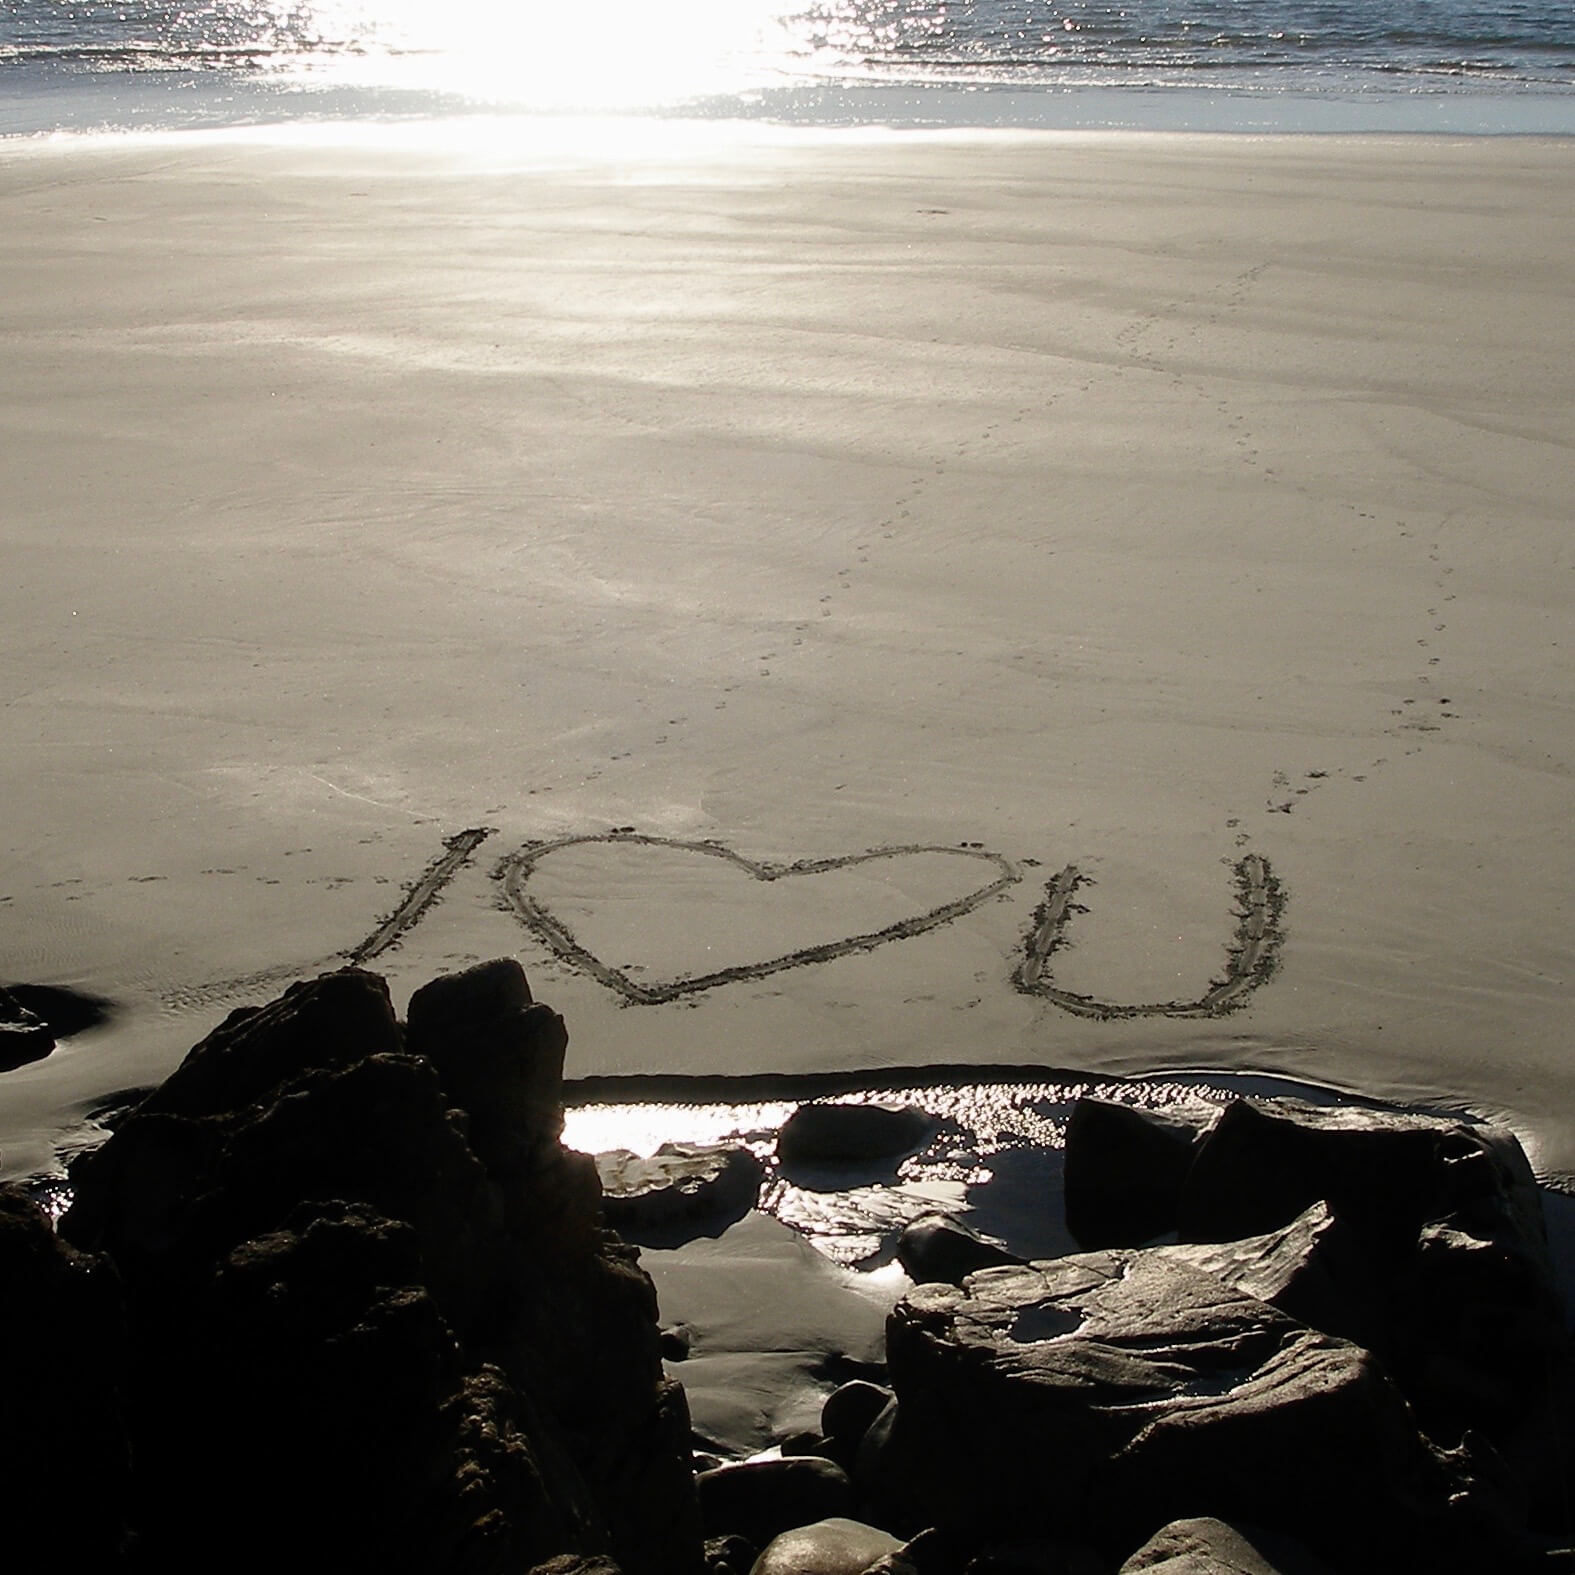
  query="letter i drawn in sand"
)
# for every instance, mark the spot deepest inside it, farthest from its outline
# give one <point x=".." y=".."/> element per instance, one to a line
<point x="1252" y="955"/>
<point x="420" y="894"/>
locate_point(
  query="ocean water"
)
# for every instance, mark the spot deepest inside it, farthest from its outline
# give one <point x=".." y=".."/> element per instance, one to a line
<point x="1454" y="65"/>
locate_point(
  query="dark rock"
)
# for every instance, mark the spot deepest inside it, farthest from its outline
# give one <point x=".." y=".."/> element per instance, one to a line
<point x="1430" y="1250"/>
<point x="677" y="1343"/>
<point x="729" y="1555"/>
<point x="64" y="1459"/>
<point x="760" y="1499"/>
<point x="24" y="1036"/>
<point x="1265" y="1162"/>
<point x="1036" y="1556"/>
<point x="937" y="1247"/>
<point x="1205" y="1546"/>
<point x="351" y="1390"/>
<point x="801" y="1444"/>
<point x="65" y="1010"/>
<point x="323" y="1024"/>
<point x="1109" y="1393"/>
<point x="477" y="998"/>
<point x="835" y="1546"/>
<point x="1477" y="1341"/>
<point x="377" y="1304"/>
<point x="880" y="1474"/>
<point x="499" y="1057"/>
<point x="1125" y="1167"/>
<point x="850" y="1409"/>
<point x="680" y="1190"/>
<point x="577" y="1564"/>
<point x="840" y="1134"/>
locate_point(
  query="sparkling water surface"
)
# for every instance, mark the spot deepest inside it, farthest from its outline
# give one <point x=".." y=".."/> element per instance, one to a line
<point x="73" y="63"/>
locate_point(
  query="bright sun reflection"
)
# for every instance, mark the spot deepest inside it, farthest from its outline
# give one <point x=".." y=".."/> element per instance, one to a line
<point x="600" y="55"/>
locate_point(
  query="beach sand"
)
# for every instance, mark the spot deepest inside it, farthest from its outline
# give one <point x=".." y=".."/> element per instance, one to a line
<point x="1155" y="509"/>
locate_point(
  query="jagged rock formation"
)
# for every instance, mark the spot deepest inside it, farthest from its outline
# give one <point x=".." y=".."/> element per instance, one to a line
<point x="1380" y="1372"/>
<point x="372" y="1310"/>
<point x="336" y="1296"/>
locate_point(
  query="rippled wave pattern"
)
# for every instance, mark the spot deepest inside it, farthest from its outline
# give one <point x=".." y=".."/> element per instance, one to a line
<point x="630" y="54"/>
<point x="111" y="35"/>
<point x="1008" y="40"/>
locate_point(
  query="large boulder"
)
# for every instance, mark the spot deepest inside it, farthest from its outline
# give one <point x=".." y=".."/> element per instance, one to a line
<point x="1109" y="1393"/>
<point x="1202" y="1545"/>
<point x="1125" y="1167"/>
<point x="836" y="1546"/>
<point x="368" y="1287"/>
<point x="499" y="1056"/>
<point x="827" y="1134"/>
<point x="1385" y="1172"/>
<point x="64" y="1457"/>
<point x="1420" y="1236"/>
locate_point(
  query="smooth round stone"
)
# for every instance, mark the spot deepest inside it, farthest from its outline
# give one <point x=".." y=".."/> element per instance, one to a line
<point x="828" y="1547"/>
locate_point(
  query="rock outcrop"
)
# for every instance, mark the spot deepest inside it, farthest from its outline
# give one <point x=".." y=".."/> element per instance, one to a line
<point x="1356" y="1344"/>
<point x="372" y="1307"/>
<point x="336" y="1295"/>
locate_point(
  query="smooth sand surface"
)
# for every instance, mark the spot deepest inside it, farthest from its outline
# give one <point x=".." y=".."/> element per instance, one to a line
<point x="1118" y="502"/>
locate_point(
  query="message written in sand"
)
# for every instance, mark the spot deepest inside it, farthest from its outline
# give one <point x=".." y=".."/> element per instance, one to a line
<point x="1252" y="953"/>
<point x="549" y="927"/>
<point x="1251" y="958"/>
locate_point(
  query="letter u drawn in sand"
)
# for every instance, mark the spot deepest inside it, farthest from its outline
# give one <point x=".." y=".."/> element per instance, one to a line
<point x="1252" y="956"/>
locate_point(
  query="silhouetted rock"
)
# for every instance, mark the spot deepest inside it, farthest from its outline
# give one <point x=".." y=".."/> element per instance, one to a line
<point x="24" y="1035"/>
<point x="62" y="1008"/>
<point x="1431" y="1251"/>
<point x="937" y="1247"/>
<point x="373" y="1307"/>
<point x="64" y="1462"/>
<point x="1264" y="1162"/>
<point x="760" y="1499"/>
<point x="823" y="1134"/>
<point x="1116" y="1391"/>
<point x="729" y="1555"/>
<point x="848" y="1411"/>
<point x="1046" y="1555"/>
<point x="499" y="1057"/>
<point x="1125" y="1167"/>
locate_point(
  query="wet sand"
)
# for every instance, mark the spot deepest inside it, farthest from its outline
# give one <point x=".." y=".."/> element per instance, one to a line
<point x="1153" y="508"/>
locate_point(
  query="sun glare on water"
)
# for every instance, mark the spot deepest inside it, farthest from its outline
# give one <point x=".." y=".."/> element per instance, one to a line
<point x="599" y="55"/>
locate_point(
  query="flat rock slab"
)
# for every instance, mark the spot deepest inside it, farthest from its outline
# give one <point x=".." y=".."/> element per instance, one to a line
<point x="1119" y="1386"/>
<point x="680" y="1182"/>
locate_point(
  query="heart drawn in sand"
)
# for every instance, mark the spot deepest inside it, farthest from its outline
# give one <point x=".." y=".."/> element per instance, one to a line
<point x="595" y="901"/>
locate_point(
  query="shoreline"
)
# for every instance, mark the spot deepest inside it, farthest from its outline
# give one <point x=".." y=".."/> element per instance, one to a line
<point x="811" y="497"/>
<point x="1271" y="103"/>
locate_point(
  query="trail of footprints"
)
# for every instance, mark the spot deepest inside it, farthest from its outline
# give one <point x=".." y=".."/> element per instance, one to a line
<point x="1425" y="708"/>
